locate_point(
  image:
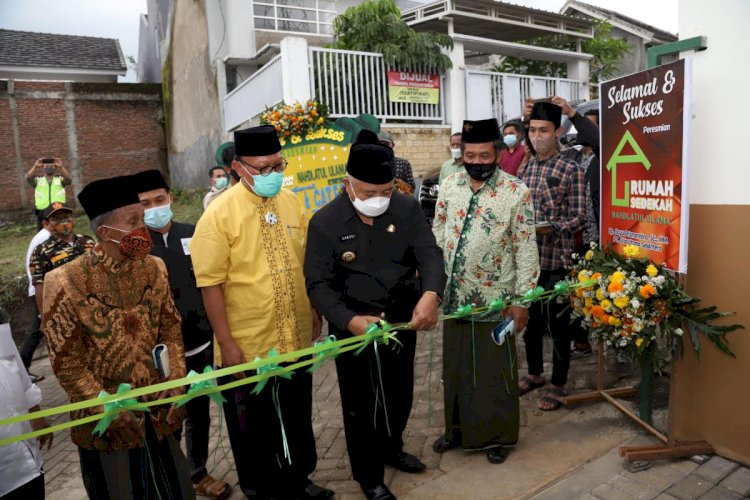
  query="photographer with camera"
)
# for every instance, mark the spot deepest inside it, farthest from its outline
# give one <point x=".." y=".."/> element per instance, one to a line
<point x="48" y="177"/>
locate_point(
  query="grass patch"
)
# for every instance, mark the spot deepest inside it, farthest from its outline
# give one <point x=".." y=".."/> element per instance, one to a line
<point x="15" y="238"/>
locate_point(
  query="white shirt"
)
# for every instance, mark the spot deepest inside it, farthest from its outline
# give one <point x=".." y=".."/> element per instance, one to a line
<point x="21" y="461"/>
<point x="38" y="239"/>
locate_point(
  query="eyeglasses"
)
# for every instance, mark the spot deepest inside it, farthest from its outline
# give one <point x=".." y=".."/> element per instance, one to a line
<point x="279" y="167"/>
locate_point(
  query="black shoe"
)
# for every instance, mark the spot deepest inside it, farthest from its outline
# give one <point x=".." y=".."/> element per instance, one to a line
<point x="442" y="444"/>
<point x="378" y="492"/>
<point x="312" y="490"/>
<point x="498" y="454"/>
<point x="405" y="463"/>
<point x="35" y="378"/>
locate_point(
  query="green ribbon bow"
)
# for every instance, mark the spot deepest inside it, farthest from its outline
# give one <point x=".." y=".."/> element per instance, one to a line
<point x="496" y="305"/>
<point x="324" y="354"/>
<point x="270" y="367"/>
<point x="532" y="295"/>
<point x="197" y="386"/>
<point x="113" y="409"/>
<point x="562" y="288"/>
<point x="464" y="311"/>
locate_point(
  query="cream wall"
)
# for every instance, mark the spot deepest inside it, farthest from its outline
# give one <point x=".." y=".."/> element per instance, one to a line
<point x="425" y="147"/>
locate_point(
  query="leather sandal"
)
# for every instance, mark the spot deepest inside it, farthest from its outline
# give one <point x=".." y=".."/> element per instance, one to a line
<point x="213" y="488"/>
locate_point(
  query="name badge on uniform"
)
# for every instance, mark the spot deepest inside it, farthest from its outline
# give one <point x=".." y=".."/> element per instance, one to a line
<point x="348" y="237"/>
<point x="186" y="245"/>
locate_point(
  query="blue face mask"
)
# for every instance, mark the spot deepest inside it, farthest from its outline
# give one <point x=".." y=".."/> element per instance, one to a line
<point x="510" y="140"/>
<point x="221" y="182"/>
<point x="266" y="186"/>
<point x="158" y="217"/>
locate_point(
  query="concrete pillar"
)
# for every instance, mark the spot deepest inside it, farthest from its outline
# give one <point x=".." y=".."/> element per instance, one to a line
<point x="579" y="70"/>
<point x="455" y="86"/>
<point x="295" y="64"/>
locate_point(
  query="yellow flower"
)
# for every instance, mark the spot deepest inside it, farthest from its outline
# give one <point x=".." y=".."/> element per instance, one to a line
<point x="614" y="321"/>
<point x="607" y="305"/>
<point x="622" y="302"/>
<point x="638" y="342"/>
<point x="589" y="255"/>
<point x="631" y="251"/>
<point x="617" y="277"/>
<point x="651" y="270"/>
<point x="583" y="276"/>
<point x="589" y="302"/>
<point x="600" y="294"/>
<point x="587" y="311"/>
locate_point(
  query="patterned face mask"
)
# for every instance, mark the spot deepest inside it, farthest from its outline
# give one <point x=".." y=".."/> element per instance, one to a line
<point x="135" y="244"/>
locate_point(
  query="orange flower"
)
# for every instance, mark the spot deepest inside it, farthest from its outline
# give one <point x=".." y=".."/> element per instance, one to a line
<point x="615" y="287"/>
<point x="597" y="311"/>
<point x="596" y="276"/>
<point x="647" y="291"/>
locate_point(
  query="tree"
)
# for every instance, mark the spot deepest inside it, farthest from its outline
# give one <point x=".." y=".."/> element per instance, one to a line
<point x="376" y="26"/>
<point x="607" y="52"/>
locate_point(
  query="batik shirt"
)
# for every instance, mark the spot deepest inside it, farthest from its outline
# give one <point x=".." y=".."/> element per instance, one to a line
<point x="54" y="253"/>
<point x="559" y="193"/>
<point x="102" y="319"/>
<point x="488" y="240"/>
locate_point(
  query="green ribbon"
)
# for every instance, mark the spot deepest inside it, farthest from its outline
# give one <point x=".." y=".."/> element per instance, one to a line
<point x="269" y="369"/>
<point x="195" y="388"/>
<point x="496" y="305"/>
<point x="464" y="311"/>
<point x="113" y="408"/>
<point x="324" y="354"/>
<point x="561" y="288"/>
<point x="532" y="295"/>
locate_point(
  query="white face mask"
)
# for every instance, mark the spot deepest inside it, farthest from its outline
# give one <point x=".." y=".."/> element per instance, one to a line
<point x="371" y="207"/>
<point x="456" y="153"/>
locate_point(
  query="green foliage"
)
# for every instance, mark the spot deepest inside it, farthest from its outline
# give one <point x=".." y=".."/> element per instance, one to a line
<point x="607" y="52"/>
<point x="376" y="26"/>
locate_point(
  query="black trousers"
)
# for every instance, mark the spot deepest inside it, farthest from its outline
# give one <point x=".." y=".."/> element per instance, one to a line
<point x="197" y="419"/>
<point x="255" y="434"/>
<point x="33" y="490"/>
<point x="548" y="317"/>
<point x="32" y="339"/>
<point x="156" y="471"/>
<point x="370" y="440"/>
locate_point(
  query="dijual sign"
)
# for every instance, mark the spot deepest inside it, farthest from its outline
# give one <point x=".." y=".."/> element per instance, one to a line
<point x="421" y="88"/>
<point x="644" y="130"/>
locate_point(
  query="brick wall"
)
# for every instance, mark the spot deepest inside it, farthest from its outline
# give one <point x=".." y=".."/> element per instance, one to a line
<point x="98" y="130"/>
<point x="425" y="147"/>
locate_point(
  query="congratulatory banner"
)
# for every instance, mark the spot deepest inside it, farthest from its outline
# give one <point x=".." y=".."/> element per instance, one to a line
<point x="644" y="127"/>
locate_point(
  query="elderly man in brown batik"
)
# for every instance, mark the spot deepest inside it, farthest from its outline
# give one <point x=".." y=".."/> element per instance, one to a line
<point x="103" y="314"/>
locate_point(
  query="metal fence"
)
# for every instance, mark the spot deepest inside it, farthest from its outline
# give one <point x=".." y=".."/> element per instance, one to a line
<point x="503" y="94"/>
<point x="297" y="16"/>
<point x="351" y="83"/>
<point x="262" y="90"/>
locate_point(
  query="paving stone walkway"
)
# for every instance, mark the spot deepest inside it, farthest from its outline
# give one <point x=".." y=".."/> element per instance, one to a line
<point x="557" y="455"/>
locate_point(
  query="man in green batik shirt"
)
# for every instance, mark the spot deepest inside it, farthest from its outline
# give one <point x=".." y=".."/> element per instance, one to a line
<point x="484" y="222"/>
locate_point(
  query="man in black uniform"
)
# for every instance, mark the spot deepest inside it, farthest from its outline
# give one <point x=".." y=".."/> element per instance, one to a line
<point x="171" y="241"/>
<point x="370" y="255"/>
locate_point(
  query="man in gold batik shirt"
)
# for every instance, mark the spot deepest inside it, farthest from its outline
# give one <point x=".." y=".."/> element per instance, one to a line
<point x="247" y="252"/>
<point x="103" y="314"/>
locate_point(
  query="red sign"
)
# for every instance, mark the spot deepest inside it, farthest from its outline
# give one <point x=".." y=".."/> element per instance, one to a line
<point x="644" y="120"/>
<point x="423" y="88"/>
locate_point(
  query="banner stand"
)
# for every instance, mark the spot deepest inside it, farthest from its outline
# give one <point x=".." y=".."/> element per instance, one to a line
<point x="669" y="449"/>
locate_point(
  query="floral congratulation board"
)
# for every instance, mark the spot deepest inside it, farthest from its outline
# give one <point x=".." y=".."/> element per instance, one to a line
<point x="296" y="119"/>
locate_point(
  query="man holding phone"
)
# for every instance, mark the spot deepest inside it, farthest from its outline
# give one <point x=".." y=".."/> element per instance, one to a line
<point x="48" y="177"/>
<point x="484" y="224"/>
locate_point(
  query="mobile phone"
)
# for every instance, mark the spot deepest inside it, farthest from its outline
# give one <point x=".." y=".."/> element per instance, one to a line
<point x="501" y="331"/>
<point x="48" y="160"/>
<point x="160" y="355"/>
<point x="543" y="99"/>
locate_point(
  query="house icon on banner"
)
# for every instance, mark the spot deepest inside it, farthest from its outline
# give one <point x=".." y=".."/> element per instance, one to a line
<point x="618" y="157"/>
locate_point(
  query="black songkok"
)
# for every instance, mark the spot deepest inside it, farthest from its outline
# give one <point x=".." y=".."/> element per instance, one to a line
<point x="105" y="195"/>
<point x="480" y="131"/>
<point x="256" y="141"/>
<point x="369" y="161"/>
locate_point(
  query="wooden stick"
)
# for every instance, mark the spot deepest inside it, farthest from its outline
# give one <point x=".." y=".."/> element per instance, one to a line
<point x="661" y="437"/>
<point x="679" y="450"/>
<point x="593" y="396"/>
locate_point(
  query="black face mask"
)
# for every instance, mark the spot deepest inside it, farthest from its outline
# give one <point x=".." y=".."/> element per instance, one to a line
<point x="480" y="171"/>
